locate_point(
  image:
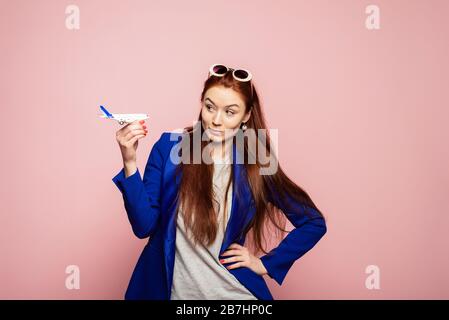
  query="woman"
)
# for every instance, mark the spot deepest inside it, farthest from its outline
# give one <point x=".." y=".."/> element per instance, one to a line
<point x="197" y="202"/>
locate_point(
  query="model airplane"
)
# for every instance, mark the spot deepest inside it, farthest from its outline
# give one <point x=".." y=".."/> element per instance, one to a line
<point x="122" y="118"/>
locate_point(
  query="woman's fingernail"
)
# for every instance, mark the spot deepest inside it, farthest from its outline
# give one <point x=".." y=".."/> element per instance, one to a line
<point x="144" y="126"/>
<point x="221" y="260"/>
<point x="142" y="121"/>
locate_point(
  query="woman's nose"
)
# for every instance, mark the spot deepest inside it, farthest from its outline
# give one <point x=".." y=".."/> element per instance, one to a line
<point x="217" y="119"/>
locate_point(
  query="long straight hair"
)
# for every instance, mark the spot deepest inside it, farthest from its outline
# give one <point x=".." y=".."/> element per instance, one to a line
<point x="196" y="195"/>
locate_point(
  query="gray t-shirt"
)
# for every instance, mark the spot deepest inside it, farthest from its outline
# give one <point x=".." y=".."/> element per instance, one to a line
<point x="198" y="273"/>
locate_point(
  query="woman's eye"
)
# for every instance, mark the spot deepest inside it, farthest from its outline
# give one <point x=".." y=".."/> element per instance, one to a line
<point x="208" y="107"/>
<point x="230" y="112"/>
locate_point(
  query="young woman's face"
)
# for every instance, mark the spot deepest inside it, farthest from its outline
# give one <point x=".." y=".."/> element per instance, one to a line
<point x="222" y="109"/>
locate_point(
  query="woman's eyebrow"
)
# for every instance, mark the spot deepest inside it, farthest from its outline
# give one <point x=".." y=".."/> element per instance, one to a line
<point x="226" y="106"/>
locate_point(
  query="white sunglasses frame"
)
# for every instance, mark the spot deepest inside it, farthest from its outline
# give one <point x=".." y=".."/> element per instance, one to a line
<point x="212" y="72"/>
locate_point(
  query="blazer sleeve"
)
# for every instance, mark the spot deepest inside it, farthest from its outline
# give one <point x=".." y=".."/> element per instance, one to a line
<point x="309" y="228"/>
<point x="142" y="197"/>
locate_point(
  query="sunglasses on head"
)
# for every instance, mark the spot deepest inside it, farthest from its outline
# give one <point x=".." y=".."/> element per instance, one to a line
<point x="219" y="70"/>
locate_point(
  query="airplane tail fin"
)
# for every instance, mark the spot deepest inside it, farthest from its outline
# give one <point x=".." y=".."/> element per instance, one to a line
<point x="106" y="112"/>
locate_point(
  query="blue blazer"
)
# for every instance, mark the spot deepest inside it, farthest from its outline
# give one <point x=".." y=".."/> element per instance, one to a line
<point x="150" y="204"/>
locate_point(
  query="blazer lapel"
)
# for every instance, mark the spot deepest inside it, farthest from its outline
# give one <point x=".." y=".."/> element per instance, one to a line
<point x="168" y="207"/>
<point x="241" y="209"/>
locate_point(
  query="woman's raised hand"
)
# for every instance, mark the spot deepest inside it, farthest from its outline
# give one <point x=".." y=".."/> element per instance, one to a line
<point x="127" y="138"/>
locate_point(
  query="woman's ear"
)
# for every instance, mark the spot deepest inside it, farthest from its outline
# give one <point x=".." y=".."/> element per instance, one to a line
<point x="247" y="116"/>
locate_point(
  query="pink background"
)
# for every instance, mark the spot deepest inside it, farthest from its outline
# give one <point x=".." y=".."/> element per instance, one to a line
<point x="362" y="118"/>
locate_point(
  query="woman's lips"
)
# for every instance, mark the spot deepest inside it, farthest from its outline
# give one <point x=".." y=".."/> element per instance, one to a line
<point x="215" y="132"/>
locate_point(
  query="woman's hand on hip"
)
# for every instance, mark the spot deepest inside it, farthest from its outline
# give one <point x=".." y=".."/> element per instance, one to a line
<point x="242" y="258"/>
